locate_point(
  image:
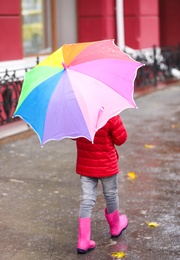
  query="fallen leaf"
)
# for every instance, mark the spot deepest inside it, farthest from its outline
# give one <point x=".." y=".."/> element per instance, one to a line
<point x="175" y="125"/>
<point x="152" y="224"/>
<point x="118" y="255"/>
<point x="112" y="242"/>
<point x="149" y="146"/>
<point x="15" y="180"/>
<point x="131" y="175"/>
<point x="147" y="237"/>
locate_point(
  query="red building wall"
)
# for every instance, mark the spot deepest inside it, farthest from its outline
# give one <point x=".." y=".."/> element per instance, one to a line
<point x="10" y="28"/>
<point x="96" y="20"/>
<point x="169" y="22"/>
<point x="146" y="22"/>
<point x="141" y="23"/>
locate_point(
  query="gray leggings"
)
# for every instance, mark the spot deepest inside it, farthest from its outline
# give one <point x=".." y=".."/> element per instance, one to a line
<point x="89" y="191"/>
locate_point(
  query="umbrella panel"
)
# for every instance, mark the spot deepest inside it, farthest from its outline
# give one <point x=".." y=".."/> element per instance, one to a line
<point x="64" y="117"/>
<point x="77" y="89"/>
<point x="113" y="73"/>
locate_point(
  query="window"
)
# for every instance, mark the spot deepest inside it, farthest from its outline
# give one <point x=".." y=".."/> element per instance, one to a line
<point x="36" y="27"/>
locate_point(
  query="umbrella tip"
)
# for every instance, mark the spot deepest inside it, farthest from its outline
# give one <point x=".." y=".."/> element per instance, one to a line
<point x="64" y="65"/>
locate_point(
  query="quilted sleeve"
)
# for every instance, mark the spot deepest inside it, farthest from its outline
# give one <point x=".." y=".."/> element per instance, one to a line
<point x="117" y="131"/>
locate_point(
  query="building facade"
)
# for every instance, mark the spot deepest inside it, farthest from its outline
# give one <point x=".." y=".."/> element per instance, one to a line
<point x="38" y="27"/>
<point x="33" y="29"/>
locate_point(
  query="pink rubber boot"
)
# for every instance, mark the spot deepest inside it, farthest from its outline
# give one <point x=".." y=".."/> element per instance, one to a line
<point x="84" y="233"/>
<point x="117" y="222"/>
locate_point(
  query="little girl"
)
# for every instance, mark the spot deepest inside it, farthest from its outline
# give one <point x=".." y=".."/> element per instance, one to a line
<point x="99" y="161"/>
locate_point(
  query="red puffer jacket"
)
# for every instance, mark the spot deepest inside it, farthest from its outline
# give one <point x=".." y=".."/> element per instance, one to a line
<point x="100" y="159"/>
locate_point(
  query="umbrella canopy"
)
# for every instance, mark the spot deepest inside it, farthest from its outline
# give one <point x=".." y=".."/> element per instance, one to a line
<point x="77" y="89"/>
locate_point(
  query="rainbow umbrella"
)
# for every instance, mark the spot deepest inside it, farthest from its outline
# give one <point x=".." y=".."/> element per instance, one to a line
<point x="77" y="89"/>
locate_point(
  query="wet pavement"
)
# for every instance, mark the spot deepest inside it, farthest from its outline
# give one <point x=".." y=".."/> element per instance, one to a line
<point x="40" y="191"/>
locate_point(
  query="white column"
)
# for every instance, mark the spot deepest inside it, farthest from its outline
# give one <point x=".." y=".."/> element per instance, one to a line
<point x="120" y="23"/>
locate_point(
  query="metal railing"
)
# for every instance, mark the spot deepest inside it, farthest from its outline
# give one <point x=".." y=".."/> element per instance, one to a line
<point x="10" y="89"/>
<point x="161" y="64"/>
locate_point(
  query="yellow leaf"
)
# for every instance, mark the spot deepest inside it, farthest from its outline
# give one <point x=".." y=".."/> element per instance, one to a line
<point x="149" y="146"/>
<point x="118" y="255"/>
<point x="152" y="224"/>
<point x="175" y="125"/>
<point x="131" y="175"/>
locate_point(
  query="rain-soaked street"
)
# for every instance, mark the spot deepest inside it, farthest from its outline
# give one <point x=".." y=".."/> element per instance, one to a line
<point x="40" y="191"/>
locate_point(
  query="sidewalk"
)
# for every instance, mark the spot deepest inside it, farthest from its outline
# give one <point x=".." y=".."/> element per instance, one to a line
<point x="13" y="129"/>
<point x="40" y="191"/>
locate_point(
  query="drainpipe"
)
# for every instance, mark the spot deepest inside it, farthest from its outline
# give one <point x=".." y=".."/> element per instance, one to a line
<point x="120" y="23"/>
